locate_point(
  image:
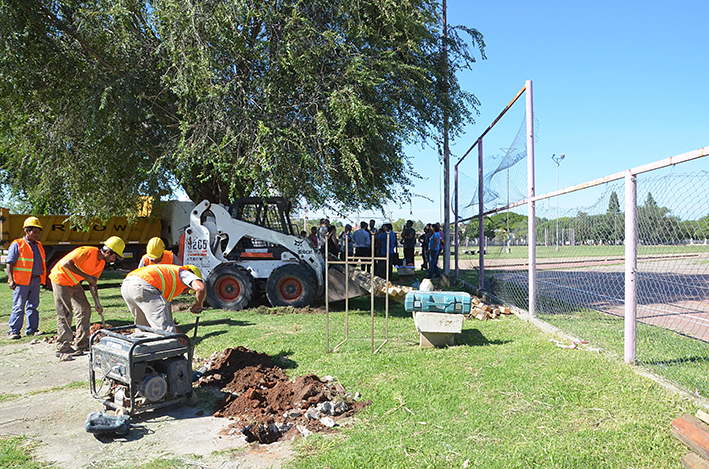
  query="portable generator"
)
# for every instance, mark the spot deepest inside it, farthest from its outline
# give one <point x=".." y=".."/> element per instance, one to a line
<point x="140" y="368"/>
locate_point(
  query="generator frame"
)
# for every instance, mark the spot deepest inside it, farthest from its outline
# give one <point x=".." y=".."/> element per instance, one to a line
<point x="128" y="378"/>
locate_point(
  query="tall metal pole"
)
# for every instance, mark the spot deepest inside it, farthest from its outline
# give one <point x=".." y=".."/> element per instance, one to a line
<point x="557" y="160"/>
<point x="557" y="206"/>
<point x="631" y="264"/>
<point x="456" y="217"/>
<point x="531" y="212"/>
<point x="481" y="220"/>
<point x="446" y="154"/>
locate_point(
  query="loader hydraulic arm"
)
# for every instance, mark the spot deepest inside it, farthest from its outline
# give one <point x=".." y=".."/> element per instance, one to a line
<point x="235" y="230"/>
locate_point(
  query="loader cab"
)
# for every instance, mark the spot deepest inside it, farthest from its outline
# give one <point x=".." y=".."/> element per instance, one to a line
<point x="271" y="212"/>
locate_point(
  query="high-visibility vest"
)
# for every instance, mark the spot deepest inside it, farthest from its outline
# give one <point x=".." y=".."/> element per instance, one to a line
<point x="22" y="270"/>
<point x="85" y="259"/>
<point x="167" y="258"/>
<point x="164" y="277"/>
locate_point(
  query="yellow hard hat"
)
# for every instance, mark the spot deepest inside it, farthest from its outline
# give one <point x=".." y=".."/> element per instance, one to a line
<point x="32" y="222"/>
<point x="156" y="248"/>
<point x="195" y="270"/>
<point x="115" y="244"/>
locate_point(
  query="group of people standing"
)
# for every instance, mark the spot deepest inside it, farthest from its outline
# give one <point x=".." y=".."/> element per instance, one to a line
<point x="358" y="244"/>
<point x="147" y="290"/>
<point x="431" y="244"/>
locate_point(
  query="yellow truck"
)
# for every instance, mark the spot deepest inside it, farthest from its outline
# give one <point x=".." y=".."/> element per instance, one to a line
<point x="59" y="237"/>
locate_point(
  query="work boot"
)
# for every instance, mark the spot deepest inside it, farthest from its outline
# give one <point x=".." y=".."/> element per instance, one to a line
<point x="70" y="352"/>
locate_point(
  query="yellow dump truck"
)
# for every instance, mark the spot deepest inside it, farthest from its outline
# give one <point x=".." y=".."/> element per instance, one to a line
<point x="166" y="219"/>
<point x="58" y="237"/>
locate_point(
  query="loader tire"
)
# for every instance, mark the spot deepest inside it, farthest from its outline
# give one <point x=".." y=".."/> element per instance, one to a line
<point x="291" y="285"/>
<point x="229" y="286"/>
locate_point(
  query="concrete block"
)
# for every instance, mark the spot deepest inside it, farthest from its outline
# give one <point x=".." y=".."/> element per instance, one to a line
<point x="438" y="322"/>
<point x="436" y="339"/>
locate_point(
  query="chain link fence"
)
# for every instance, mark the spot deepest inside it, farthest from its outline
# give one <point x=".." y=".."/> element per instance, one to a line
<point x="581" y="270"/>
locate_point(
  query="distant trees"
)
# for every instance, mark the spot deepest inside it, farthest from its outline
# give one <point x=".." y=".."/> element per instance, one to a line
<point x="656" y="225"/>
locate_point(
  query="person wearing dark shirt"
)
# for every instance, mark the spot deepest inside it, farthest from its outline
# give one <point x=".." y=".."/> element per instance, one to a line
<point x="408" y="239"/>
<point x="362" y="240"/>
<point x="387" y="238"/>
<point x="434" y="249"/>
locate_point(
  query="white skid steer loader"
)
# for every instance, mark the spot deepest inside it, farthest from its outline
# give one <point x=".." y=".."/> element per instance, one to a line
<point x="239" y="258"/>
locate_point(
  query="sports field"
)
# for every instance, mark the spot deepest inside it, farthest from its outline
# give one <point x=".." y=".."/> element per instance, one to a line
<point x="672" y="284"/>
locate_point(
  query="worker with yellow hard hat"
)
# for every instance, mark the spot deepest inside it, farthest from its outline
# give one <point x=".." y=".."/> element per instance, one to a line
<point x="156" y="254"/>
<point x="149" y="290"/>
<point x="26" y="271"/>
<point x="83" y="263"/>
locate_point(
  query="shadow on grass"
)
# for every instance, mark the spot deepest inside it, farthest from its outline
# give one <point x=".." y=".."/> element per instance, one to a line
<point x="474" y="338"/>
<point x="281" y="359"/>
<point x="189" y="329"/>
<point x="672" y="362"/>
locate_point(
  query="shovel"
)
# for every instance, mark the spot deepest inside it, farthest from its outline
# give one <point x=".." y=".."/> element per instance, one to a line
<point x="94" y="293"/>
<point x="196" y="323"/>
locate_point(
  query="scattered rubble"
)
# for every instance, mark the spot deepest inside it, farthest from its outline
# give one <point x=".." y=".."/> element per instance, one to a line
<point x="266" y="405"/>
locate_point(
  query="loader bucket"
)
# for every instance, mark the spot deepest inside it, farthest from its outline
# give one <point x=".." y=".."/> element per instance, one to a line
<point x="337" y="289"/>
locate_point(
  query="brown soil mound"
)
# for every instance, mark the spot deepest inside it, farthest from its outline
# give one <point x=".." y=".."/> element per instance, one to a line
<point x="266" y="405"/>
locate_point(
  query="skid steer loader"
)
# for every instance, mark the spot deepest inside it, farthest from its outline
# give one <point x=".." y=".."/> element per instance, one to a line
<point x="249" y="248"/>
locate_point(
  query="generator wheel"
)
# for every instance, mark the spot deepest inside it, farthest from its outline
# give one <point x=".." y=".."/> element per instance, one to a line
<point x="229" y="286"/>
<point x="291" y="285"/>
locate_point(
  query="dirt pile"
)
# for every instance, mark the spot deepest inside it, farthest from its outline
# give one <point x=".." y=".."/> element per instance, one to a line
<point x="266" y="405"/>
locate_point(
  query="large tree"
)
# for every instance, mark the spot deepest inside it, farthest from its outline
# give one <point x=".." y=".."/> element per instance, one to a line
<point x="105" y="101"/>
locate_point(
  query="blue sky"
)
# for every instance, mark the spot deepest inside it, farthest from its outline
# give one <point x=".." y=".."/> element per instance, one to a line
<point x="617" y="84"/>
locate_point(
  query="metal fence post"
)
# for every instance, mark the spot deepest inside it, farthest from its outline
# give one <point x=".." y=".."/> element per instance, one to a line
<point x="631" y="263"/>
<point x="531" y="220"/>
<point x="481" y="220"/>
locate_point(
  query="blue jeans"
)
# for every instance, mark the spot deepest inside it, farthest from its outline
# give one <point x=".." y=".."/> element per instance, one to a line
<point x="25" y="300"/>
<point x="433" y="263"/>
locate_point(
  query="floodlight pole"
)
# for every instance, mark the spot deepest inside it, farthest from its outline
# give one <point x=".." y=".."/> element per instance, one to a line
<point x="557" y="160"/>
<point x="446" y="154"/>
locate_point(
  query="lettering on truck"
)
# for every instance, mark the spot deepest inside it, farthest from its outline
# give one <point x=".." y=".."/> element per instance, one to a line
<point x="60" y="227"/>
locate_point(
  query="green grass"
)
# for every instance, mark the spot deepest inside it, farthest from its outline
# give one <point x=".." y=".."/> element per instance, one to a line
<point x="676" y="357"/>
<point x="16" y="453"/>
<point x="504" y="396"/>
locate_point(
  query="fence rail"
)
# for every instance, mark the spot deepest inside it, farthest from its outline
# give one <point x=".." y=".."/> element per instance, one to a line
<point x="630" y="272"/>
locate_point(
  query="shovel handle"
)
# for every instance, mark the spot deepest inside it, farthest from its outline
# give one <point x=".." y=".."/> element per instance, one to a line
<point x="194" y="336"/>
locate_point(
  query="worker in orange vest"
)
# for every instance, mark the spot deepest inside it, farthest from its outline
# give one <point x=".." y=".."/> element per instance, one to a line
<point x="83" y="263"/>
<point x="156" y="254"/>
<point x="26" y="272"/>
<point x="149" y="290"/>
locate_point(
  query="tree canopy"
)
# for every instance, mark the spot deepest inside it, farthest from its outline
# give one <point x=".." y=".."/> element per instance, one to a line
<point x="105" y="102"/>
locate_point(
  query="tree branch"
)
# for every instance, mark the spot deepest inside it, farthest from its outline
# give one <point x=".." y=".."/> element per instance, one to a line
<point x="52" y="18"/>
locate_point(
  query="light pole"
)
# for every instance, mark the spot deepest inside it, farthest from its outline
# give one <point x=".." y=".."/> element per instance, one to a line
<point x="557" y="160"/>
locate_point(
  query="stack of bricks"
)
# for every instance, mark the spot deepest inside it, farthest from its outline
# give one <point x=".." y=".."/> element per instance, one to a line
<point x="484" y="311"/>
<point x="694" y="432"/>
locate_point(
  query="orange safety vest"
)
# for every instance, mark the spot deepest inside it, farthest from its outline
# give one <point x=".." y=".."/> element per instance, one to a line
<point x="85" y="258"/>
<point x="22" y="270"/>
<point x="167" y="258"/>
<point x="164" y="277"/>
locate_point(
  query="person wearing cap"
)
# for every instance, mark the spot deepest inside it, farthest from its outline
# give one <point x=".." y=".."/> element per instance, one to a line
<point x="149" y="290"/>
<point x="156" y="254"/>
<point x="83" y="263"/>
<point x="26" y="271"/>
